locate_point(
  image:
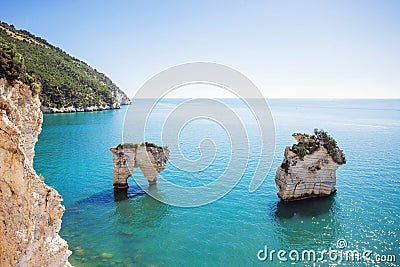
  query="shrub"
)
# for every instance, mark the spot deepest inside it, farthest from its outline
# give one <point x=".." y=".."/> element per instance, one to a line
<point x="131" y="145"/>
<point x="300" y="150"/>
<point x="150" y="144"/>
<point x="29" y="78"/>
<point x="331" y="146"/>
<point x="311" y="143"/>
<point x="11" y="63"/>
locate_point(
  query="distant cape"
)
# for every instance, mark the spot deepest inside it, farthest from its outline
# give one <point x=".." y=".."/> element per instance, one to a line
<point x="68" y="84"/>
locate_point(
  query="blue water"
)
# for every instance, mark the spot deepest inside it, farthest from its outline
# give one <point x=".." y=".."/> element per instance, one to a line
<point x="103" y="229"/>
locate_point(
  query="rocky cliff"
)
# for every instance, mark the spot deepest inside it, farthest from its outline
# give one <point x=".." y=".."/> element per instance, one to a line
<point x="30" y="211"/>
<point x="150" y="158"/>
<point x="309" y="167"/>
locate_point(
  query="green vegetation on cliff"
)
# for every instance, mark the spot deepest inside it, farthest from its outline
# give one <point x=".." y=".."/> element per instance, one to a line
<point x="12" y="65"/>
<point x="66" y="81"/>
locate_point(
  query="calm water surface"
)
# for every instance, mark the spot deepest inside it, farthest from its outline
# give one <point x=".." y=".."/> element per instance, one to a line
<point x="73" y="154"/>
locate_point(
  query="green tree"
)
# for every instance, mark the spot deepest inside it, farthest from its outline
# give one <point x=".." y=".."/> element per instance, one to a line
<point x="12" y="65"/>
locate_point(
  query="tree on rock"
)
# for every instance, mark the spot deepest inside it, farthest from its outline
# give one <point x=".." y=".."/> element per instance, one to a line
<point x="11" y="63"/>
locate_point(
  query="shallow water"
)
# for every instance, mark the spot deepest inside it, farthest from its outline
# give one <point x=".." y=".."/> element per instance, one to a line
<point x="104" y="229"/>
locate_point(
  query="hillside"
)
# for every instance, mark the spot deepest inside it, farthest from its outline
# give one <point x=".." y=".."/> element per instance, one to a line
<point x="68" y="84"/>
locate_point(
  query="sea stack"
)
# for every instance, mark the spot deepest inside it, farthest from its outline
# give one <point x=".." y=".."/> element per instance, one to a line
<point x="309" y="167"/>
<point x="150" y="158"/>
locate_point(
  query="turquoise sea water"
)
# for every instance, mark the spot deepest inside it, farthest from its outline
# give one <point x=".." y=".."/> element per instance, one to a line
<point x="73" y="155"/>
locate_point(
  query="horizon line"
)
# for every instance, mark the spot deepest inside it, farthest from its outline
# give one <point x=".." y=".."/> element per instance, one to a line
<point x="308" y="98"/>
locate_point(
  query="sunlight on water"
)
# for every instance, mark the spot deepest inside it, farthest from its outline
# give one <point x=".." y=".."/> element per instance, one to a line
<point x="103" y="229"/>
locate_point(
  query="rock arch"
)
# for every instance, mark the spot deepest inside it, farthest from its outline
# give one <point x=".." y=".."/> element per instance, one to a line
<point x="150" y="158"/>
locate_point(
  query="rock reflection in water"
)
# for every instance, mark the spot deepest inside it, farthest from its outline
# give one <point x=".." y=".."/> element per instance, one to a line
<point x="307" y="224"/>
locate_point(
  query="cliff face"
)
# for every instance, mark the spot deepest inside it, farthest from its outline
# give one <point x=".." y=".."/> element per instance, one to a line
<point x="120" y="97"/>
<point x="308" y="168"/>
<point x="150" y="159"/>
<point x="30" y="211"/>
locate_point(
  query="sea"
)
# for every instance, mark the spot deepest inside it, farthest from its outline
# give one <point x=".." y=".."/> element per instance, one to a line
<point x="359" y="225"/>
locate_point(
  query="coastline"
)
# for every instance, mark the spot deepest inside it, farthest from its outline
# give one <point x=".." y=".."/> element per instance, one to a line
<point x="72" y="109"/>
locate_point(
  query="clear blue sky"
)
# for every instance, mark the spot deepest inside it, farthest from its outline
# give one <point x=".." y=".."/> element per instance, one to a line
<point x="288" y="48"/>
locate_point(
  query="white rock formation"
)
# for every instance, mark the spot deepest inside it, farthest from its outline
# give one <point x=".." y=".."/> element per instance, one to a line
<point x="310" y="175"/>
<point x="150" y="159"/>
<point x="30" y="211"/>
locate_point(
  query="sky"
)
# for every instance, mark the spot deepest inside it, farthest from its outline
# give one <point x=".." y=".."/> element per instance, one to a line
<point x="289" y="49"/>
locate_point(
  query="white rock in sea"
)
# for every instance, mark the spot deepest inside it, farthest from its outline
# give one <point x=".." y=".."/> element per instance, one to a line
<point x="309" y="167"/>
<point x="30" y="211"/>
<point x="150" y="158"/>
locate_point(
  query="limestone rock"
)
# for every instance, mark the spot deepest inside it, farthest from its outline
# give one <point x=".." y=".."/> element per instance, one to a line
<point x="120" y="96"/>
<point x="151" y="159"/>
<point x="80" y="109"/>
<point x="120" y="99"/>
<point x="309" y="167"/>
<point x="30" y="211"/>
